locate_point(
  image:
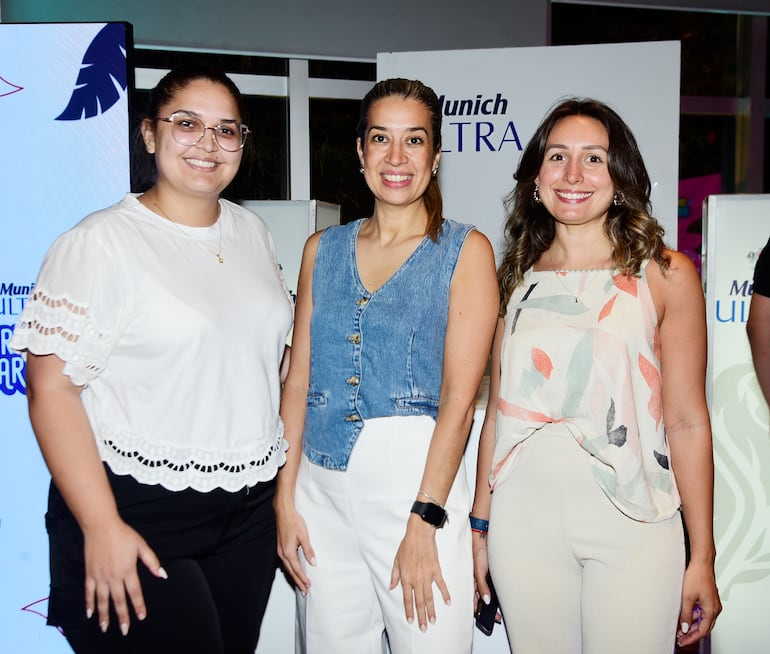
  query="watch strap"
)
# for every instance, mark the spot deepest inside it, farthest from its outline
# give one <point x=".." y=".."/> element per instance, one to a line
<point x="431" y="513"/>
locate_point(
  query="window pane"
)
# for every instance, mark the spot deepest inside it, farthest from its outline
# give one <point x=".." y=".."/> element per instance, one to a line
<point x="334" y="175"/>
<point x="707" y="146"/>
<point x="709" y="40"/>
<point x="264" y="173"/>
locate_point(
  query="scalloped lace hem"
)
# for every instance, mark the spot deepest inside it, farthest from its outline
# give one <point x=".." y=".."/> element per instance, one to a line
<point x="61" y="326"/>
<point x="177" y="468"/>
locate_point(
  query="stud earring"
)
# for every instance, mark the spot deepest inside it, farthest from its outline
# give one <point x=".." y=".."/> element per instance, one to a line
<point x="361" y="170"/>
<point x="536" y="195"/>
<point x="619" y="199"/>
<point x="435" y="171"/>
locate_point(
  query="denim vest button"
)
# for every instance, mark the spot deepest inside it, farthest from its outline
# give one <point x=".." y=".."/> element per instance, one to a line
<point x="352" y="381"/>
<point x="353" y="417"/>
<point x="362" y="301"/>
<point x="355" y="338"/>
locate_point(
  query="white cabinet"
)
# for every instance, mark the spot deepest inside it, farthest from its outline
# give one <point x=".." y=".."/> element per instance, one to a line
<point x="291" y="222"/>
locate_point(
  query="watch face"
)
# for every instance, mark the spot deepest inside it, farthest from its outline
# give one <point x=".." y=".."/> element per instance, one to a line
<point x="432" y="513"/>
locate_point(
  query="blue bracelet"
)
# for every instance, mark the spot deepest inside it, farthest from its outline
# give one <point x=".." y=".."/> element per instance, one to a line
<point x="477" y="524"/>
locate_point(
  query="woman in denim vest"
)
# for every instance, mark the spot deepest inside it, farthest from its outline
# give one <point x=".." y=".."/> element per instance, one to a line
<point x="394" y="322"/>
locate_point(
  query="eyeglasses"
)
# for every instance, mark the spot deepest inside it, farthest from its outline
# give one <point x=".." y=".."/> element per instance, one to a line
<point x="189" y="130"/>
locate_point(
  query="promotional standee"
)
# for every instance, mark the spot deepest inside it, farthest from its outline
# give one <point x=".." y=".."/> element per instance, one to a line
<point x="736" y="228"/>
<point x="63" y="102"/>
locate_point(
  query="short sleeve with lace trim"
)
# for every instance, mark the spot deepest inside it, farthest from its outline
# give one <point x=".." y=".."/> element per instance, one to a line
<point x="75" y="307"/>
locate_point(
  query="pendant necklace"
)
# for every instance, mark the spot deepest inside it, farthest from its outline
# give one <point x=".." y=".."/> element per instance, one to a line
<point x="567" y="288"/>
<point x="217" y="254"/>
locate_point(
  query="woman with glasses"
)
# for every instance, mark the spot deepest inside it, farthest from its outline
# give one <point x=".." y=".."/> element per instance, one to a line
<point x="154" y="338"/>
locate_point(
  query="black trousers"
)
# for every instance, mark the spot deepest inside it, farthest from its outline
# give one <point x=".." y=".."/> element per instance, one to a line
<point x="218" y="548"/>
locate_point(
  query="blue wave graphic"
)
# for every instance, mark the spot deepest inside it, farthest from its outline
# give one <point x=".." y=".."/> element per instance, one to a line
<point x="103" y="62"/>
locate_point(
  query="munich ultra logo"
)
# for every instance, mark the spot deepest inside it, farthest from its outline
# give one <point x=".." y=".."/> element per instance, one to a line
<point x="12" y="300"/>
<point x="478" y="124"/>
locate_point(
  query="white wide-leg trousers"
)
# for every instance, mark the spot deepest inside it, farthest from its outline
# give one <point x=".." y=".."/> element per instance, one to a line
<point x="356" y="520"/>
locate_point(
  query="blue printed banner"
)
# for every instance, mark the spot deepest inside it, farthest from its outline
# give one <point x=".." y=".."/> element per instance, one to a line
<point x="64" y="111"/>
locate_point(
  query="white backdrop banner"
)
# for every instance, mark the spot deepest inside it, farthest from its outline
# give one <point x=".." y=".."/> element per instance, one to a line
<point x="493" y="100"/>
<point x="736" y="229"/>
<point x="64" y="113"/>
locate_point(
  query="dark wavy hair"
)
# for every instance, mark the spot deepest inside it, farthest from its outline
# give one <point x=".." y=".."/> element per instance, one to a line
<point x="143" y="170"/>
<point x="411" y="90"/>
<point x="631" y="229"/>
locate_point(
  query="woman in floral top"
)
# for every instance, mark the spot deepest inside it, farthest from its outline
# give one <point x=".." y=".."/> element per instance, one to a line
<point x="597" y="430"/>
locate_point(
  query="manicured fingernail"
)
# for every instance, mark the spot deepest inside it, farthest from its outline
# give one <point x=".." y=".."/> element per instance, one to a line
<point x="89" y="613"/>
<point x="486" y="599"/>
<point x="685" y="627"/>
<point x="124" y="628"/>
<point x="103" y="626"/>
<point x="162" y="573"/>
<point x="141" y="615"/>
<point x="433" y="620"/>
<point x="410" y="620"/>
<point x="311" y="560"/>
<point x="423" y="628"/>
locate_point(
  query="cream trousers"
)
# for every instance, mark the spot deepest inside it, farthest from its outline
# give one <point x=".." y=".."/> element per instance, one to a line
<point x="573" y="574"/>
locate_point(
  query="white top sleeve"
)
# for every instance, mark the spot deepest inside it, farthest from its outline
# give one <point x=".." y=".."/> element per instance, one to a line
<point x="74" y="310"/>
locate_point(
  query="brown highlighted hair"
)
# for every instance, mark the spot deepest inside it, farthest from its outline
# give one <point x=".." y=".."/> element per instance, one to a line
<point x="631" y="229"/>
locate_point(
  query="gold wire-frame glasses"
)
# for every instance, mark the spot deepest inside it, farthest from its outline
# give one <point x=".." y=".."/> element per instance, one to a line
<point x="189" y="130"/>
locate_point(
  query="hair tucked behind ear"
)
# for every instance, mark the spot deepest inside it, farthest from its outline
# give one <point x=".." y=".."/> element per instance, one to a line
<point x="412" y="90"/>
<point x="634" y="234"/>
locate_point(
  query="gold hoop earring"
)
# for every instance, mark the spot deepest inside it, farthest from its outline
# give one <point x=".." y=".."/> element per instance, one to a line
<point x="536" y="195"/>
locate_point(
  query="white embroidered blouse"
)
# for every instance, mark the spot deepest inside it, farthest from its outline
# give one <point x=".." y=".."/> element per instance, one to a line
<point x="178" y="355"/>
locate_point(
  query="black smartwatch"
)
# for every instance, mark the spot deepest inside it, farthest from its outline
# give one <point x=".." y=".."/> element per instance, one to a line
<point x="432" y="513"/>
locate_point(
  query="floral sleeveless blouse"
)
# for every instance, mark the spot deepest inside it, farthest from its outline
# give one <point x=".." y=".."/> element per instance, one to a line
<point x="581" y="349"/>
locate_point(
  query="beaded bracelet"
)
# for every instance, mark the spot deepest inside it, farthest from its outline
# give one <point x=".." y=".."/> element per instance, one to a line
<point x="478" y="525"/>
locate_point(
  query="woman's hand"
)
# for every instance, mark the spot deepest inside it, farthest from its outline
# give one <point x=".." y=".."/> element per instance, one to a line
<point x="700" y="604"/>
<point x="292" y="534"/>
<point x="111" y="554"/>
<point x="416" y="566"/>
<point x="481" y="568"/>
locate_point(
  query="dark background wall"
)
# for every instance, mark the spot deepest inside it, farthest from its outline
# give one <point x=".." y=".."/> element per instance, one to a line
<point x="329" y="28"/>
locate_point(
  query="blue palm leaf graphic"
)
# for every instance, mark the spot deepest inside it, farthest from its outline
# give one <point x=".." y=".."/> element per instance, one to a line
<point x="103" y="62"/>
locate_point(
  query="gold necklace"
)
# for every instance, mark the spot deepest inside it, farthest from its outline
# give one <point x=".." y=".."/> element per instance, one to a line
<point x="217" y="254"/>
<point x="585" y="288"/>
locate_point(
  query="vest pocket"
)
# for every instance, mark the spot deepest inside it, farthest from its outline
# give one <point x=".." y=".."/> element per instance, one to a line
<point x="416" y="405"/>
<point x="315" y="399"/>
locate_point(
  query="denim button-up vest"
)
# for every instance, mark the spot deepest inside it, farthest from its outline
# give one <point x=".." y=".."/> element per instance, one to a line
<point x="375" y="354"/>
